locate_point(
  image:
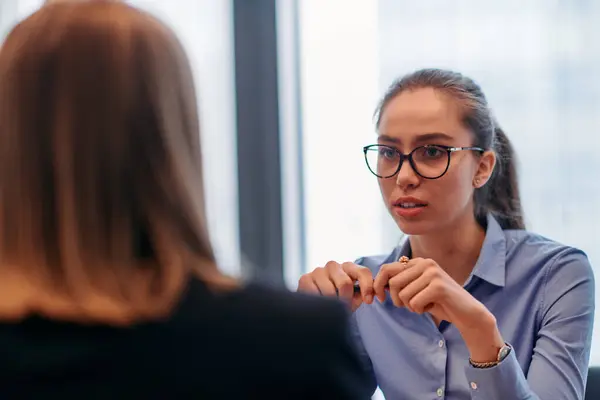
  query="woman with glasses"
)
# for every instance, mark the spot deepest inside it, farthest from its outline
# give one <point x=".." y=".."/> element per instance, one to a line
<point x="471" y="305"/>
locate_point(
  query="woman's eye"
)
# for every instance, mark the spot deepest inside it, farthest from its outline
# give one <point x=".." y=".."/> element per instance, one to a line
<point x="387" y="153"/>
<point x="432" y="152"/>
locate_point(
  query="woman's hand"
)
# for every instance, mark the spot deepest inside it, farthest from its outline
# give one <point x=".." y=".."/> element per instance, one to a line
<point x="421" y="285"/>
<point x="338" y="280"/>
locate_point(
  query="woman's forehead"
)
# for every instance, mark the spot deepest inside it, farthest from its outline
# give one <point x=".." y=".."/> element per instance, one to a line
<point x="422" y="114"/>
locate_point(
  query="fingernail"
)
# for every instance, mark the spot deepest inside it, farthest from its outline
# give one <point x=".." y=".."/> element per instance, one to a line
<point x="369" y="298"/>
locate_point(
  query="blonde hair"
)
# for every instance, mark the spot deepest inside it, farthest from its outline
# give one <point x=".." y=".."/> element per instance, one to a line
<point x="101" y="193"/>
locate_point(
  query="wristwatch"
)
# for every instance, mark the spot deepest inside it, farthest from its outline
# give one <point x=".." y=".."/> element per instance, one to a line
<point x="502" y="354"/>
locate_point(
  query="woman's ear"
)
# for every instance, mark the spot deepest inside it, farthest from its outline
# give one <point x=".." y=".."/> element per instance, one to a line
<point x="485" y="168"/>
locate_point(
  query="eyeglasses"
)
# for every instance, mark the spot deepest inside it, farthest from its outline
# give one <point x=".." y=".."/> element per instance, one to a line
<point x="429" y="162"/>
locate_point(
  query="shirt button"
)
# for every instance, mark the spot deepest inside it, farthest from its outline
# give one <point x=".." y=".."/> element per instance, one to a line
<point x="473" y="386"/>
<point x="440" y="392"/>
<point x="441" y="343"/>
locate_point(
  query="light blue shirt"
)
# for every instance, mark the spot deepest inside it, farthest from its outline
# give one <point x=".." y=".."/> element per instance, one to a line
<point x="542" y="295"/>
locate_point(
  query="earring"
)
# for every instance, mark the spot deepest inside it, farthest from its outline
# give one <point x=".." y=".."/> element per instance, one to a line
<point x="476" y="182"/>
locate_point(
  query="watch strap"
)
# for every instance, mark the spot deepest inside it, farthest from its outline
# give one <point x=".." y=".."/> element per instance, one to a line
<point x="502" y="354"/>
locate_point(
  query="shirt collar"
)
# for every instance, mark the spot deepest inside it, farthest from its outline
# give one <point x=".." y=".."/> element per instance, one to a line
<point x="491" y="264"/>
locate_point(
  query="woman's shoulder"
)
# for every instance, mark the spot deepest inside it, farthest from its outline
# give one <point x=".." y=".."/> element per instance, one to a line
<point x="524" y="243"/>
<point x="256" y="304"/>
<point x="282" y="300"/>
<point x="300" y="339"/>
<point x="532" y="253"/>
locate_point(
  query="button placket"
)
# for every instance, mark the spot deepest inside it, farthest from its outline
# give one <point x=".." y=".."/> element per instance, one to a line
<point x="441" y="344"/>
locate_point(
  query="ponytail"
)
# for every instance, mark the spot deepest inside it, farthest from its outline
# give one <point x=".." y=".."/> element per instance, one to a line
<point x="500" y="196"/>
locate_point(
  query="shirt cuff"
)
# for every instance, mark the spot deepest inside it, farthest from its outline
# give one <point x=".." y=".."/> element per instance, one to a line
<point x="505" y="380"/>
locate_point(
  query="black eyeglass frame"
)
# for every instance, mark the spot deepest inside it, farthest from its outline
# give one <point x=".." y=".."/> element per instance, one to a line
<point x="449" y="150"/>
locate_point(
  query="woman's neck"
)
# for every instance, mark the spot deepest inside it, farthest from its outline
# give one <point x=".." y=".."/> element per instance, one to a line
<point x="455" y="248"/>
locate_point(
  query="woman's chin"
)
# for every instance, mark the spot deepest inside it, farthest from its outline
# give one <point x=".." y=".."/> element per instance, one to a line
<point x="414" y="227"/>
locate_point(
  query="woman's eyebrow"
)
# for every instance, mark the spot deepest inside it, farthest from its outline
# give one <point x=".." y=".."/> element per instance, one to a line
<point x="421" y="138"/>
<point x="433" y="136"/>
<point x="386" y="138"/>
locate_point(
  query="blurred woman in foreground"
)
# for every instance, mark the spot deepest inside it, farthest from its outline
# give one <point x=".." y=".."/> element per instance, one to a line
<point x="108" y="282"/>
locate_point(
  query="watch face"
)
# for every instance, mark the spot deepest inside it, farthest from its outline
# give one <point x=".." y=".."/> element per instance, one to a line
<point x="504" y="351"/>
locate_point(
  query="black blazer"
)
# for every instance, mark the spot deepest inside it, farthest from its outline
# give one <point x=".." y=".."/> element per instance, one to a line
<point x="254" y="343"/>
<point x="592" y="390"/>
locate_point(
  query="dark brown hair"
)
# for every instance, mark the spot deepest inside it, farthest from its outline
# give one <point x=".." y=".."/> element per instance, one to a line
<point x="100" y="159"/>
<point x="500" y="196"/>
